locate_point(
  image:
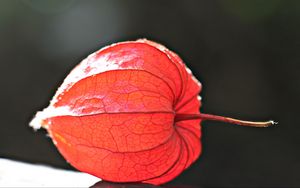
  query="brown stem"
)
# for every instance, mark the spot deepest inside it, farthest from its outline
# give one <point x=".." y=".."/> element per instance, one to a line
<point x="181" y="117"/>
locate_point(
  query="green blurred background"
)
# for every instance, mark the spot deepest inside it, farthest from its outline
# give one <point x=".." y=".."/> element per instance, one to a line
<point x="245" y="53"/>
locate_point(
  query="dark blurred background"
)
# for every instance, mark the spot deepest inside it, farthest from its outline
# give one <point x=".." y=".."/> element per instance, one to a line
<point x="245" y="53"/>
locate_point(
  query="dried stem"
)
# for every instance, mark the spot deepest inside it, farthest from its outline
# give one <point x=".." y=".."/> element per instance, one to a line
<point x="181" y="117"/>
